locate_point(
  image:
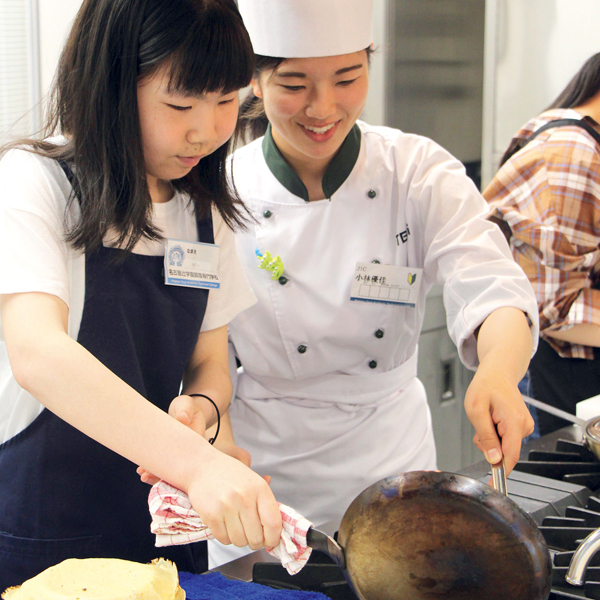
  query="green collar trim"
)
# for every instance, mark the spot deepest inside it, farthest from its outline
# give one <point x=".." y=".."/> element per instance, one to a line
<point x="338" y="171"/>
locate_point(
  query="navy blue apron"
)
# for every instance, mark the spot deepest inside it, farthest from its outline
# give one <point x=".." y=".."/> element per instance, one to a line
<point x="63" y="495"/>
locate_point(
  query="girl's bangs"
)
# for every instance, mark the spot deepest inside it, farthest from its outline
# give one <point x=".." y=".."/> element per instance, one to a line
<point x="215" y="56"/>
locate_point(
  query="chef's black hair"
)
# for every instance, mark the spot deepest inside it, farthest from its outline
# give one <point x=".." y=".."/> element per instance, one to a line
<point x="584" y="85"/>
<point x="253" y="122"/>
<point x="113" y="43"/>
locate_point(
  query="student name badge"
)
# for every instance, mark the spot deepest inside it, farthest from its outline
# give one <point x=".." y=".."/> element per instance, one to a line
<point x="387" y="284"/>
<point x="192" y="264"/>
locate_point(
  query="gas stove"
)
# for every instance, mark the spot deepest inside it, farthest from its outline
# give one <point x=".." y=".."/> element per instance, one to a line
<point x="557" y="482"/>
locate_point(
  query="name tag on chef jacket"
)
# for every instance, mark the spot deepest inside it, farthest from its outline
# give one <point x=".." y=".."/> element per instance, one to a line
<point x="386" y="284"/>
<point x="192" y="264"/>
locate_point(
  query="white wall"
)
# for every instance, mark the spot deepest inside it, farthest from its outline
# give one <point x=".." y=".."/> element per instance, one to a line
<point x="55" y="20"/>
<point x="534" y="49"/>
<point x="374" y="111"/>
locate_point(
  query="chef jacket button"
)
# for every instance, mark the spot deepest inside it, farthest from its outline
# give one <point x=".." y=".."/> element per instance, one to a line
<point x="371" y="194"/>
<point x="379" y="333"/>
<point x="267" y="214"/>
<point x="373" y="364"/>
<point x="283" y="280"/>
<point x="302" y="348"/>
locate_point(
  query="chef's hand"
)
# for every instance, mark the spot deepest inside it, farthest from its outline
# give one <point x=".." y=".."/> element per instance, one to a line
<point x="186" y="409"/>
<point x="493" y="402"/>
<point x="496" y="409"/>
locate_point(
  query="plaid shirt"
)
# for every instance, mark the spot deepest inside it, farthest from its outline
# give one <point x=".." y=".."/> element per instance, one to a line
<point x="549" y="195"/>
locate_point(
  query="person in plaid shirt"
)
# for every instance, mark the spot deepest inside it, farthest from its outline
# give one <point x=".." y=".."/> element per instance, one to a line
<point x="546" y="198"/>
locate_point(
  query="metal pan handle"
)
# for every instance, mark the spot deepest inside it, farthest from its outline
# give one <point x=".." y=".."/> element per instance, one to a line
<point x="318" y="540"/>
<point x="499" y="477"/>
<point x="499" y="473"/>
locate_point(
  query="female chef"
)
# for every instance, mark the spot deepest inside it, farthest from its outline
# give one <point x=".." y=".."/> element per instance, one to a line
<point x="95" y="337"/>
<point x="354" y="224"/>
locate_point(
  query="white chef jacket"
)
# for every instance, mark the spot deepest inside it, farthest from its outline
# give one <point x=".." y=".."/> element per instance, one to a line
<point x="327" y="398"/>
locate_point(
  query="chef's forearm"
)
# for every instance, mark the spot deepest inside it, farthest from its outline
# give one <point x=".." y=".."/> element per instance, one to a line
<point x="505" y="341"/>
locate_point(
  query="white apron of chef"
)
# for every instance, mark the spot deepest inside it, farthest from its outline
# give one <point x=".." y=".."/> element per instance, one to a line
<point x="327" y="399"/>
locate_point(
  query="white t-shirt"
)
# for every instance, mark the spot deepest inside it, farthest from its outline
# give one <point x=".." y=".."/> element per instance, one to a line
<point x="34" y="258"/>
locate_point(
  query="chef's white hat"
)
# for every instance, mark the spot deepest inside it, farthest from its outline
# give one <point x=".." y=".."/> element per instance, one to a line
<point x="306" y="28"/>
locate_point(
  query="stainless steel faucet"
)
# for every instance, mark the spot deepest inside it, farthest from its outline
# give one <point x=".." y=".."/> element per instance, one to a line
<point x="581" y="558"/>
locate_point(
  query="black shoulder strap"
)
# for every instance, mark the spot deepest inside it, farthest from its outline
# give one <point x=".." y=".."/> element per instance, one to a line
<point x="564" y="122"/>
<point x="66" y="167"/>
<point x="519" y="143"/>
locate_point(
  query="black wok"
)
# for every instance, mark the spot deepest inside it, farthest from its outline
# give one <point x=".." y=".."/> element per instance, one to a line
<point x="429" y="534"/>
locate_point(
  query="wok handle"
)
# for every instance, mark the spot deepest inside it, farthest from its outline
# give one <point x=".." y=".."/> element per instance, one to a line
<point x="499" y="477"/>
<point x="318" y="540"/>
<point x="499" y="472"/>
<point x="555" y="411"/>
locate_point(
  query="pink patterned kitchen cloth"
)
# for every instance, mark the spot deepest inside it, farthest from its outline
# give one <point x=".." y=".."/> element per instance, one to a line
<point x="174" y="522"/>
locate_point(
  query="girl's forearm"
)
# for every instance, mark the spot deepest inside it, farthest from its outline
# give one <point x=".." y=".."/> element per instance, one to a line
<point x="78" y="388"/>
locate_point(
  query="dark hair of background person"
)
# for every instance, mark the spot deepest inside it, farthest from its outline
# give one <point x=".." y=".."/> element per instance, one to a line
<point x="253" y="122"/>
<point x="583" y="86"/>
<point x="112" y="44"/>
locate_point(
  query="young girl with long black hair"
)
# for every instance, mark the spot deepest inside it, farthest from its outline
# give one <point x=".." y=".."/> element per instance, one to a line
<point x="102" y="317"/>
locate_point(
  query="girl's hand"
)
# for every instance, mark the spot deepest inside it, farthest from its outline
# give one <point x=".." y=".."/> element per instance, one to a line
<point x="236" y="503"/>
<point x="496" y="409"/>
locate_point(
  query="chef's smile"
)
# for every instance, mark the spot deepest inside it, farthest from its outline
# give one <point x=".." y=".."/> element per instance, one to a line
<point x="321" y="133"/>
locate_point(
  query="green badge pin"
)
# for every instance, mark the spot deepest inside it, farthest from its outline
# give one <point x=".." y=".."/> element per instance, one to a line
<point x="267" y="262"/>
<point x="412" y="277"/>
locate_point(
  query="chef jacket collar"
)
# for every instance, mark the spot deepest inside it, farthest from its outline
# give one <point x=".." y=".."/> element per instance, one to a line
<point x="337" y="172"/>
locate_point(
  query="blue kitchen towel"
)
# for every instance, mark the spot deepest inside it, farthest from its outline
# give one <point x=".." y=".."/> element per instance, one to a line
<point x="216" y="586"/>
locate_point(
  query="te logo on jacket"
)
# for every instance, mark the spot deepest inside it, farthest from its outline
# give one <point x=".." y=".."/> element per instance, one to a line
<point x="403" y="235"/>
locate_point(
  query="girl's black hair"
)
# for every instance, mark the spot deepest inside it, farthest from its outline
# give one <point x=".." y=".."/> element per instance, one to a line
<point x="253" y="122"/>
<point x="112" y="44"/>
<point x="584" y="85"/>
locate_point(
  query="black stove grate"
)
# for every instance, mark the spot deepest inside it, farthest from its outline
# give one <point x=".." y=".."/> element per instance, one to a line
<point x="572" y="463"/>
<point x="320" y="574"/>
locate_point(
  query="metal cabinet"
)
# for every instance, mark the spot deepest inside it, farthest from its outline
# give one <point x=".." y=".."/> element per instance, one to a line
<point x="445" y="380"/>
